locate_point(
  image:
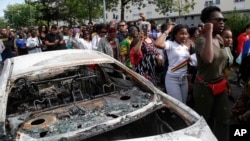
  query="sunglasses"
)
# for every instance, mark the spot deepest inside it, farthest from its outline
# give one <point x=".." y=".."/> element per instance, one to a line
<point x="122" y="25"/>
<point x="220" y="19"/>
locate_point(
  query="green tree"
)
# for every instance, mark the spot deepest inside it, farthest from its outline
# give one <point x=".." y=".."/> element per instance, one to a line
<point x="111" y="4"/>
<point x="92" y="9"/>
<point x="163" y="6"/>
<point x="48" y="10"/>
<point x="72" y="11"/>
<point x="3" y="23"/>
<point x="180" y="6"/>
<point x="18" y="15"/>
<point x="237" y="22"/>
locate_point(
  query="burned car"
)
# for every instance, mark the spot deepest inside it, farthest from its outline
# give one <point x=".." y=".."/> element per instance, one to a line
<point x="81" y="95"/>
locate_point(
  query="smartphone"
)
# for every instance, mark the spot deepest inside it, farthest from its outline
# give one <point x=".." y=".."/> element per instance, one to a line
<point x="144" y="28"/>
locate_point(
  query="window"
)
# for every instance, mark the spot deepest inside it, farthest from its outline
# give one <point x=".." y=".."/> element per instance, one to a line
<point x="115" y="16"/>
<point x="209" y="3"/>
<point x="217" y="1"/>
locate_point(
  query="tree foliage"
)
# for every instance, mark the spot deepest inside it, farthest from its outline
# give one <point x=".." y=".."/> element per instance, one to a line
<point x="180" y="6"/>
<point x="3" y="23"/>
<point x="92" y="9"/>
<point x="72" y="11"/>
<point x="163" y="6"/>
<point x="125" y="4"/>
<point x="78" y="11"/>
<point x="237" y="22"/>
<point x="19" y="15"/>
<point x="47" y="10"/>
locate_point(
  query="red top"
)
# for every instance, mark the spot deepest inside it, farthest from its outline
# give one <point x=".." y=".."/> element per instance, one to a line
<point x="241" y="40"/>
<point x="135" y="59"/>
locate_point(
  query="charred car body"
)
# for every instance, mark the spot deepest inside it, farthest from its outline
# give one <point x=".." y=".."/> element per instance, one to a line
<point x="87" y="95"/>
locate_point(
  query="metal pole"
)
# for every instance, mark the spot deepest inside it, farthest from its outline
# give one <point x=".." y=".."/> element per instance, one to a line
<point x="104" y="11"/>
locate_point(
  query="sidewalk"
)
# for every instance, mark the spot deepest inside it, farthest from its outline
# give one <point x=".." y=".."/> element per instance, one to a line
<point x="237" y="90"/>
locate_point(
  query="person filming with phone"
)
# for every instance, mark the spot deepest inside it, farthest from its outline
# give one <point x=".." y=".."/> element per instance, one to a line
<point x="144" y="56"/>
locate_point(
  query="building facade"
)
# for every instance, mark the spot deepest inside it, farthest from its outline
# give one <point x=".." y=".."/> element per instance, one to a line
<point x="191" y="19"/>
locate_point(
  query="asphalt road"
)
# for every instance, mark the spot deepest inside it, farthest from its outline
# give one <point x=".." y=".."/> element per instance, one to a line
<point x="237" y="90"/>
<point x="234" y="124"/>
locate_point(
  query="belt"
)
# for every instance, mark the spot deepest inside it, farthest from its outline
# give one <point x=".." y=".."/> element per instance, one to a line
<point x="201" y="80"/>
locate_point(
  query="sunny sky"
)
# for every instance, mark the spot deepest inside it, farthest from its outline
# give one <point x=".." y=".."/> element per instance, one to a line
<point x="4" y="3"/>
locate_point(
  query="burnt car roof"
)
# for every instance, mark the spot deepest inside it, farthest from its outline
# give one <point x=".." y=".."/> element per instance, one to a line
<point x="40" y="61"/>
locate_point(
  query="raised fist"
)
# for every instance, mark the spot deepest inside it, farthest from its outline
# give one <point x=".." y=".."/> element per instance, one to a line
<point x="208" y="27"/>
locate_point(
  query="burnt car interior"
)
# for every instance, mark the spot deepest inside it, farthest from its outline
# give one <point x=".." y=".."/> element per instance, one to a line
<point x="85" y="98"/>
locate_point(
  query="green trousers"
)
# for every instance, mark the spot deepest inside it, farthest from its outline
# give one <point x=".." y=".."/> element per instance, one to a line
<point x="215" y="109"/>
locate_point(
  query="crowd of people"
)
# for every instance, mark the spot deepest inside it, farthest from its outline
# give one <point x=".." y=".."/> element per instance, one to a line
<point x="188" y="63"/>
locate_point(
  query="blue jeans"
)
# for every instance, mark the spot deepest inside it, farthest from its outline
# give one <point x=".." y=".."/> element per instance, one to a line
<point x="177" y="86"/>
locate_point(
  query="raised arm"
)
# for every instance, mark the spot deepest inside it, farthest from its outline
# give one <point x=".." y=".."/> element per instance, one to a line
<point x="160" y="41"/>
<point x="139" y="44"/>
<point x="207" y="53"/>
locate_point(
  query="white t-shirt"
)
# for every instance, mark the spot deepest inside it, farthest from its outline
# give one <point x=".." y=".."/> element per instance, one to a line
<point x="33" y="42"/>
<point x="178" y="56"/>
<point x="66" y="38"/>
<point x="83" y="44"/>
<point x="68" y="41"/>
<point x="95" y="42"/>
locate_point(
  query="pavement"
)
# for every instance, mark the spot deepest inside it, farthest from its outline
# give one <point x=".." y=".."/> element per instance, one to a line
<point x="237" y="90"/>
<point x="235" y="125"/>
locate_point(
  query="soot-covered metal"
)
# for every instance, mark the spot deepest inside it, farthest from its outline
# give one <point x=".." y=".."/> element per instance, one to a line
<point x="82" y="95"/>
<point x="79" y="98"/>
